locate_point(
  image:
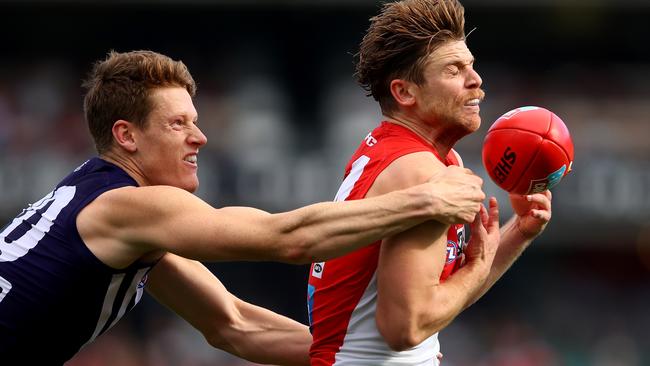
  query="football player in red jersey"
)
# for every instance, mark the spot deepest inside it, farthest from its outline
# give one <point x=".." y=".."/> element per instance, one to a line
<point x="385" y="304"/>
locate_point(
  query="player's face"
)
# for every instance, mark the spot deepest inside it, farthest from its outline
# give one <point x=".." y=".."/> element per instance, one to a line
<point x="451" y="92"/>
<point x="168" y="146"/>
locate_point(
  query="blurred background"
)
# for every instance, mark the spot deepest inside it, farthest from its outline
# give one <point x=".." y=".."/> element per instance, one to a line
<point x="282" y="113"/>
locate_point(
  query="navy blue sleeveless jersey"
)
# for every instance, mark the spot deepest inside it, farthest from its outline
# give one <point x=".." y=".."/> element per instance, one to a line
<point x="55" y="295"/>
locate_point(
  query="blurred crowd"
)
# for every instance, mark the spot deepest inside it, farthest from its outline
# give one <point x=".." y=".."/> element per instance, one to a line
<point x="276" y="141"/>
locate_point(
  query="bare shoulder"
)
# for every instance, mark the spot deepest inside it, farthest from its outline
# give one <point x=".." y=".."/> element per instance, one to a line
<point x="406" y="171"/>
<point x="126" y="203"/>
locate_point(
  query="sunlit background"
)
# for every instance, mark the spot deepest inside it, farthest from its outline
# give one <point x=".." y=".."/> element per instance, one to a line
<point x="282" y="113"/>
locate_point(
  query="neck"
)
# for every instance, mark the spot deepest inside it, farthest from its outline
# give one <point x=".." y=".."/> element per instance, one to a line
<point x="127" y="164"/>
<point x="439" y="135"/>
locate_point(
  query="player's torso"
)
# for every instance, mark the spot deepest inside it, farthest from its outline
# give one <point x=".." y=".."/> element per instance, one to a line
<point x="342" y="291"/>
<point x="56" y="295"/>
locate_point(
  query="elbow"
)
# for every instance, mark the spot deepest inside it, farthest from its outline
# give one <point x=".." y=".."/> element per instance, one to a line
<point x="400" y="338"/>
<point x="230" y="338"/>
<point x="399" y="334"/>
<point x="295" y="252"/>
<point x="299" y="248"/>
<point x="402" y="343"/>
<point x="215" y="338"/>
<point x="291" y="243"/>
<point x="402" y="332"/>
<point x="224" y="333"/>
<point x="303" y="253"/>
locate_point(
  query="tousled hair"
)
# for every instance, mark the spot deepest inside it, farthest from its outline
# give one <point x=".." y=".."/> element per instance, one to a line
<point x="119" y="87"/>
<point x="400" y="39"/>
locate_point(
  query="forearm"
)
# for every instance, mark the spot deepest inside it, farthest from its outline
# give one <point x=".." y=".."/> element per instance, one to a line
<point x="406" y="318"/>
<point x="193" y="292"/>
<point x="325" y="230"/>
<point x="451" y="297"/>
<point x="265" y="337"/>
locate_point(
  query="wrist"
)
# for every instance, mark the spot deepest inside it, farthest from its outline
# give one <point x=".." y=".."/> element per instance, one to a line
<point x="425" y="201"/>
<point x="520" y="233"/>
<point x="480" y="267"/>
<point x="515" y="237"/>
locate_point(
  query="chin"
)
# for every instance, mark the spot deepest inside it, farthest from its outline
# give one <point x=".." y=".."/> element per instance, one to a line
<point x="192" y="188"/>
<point x="470" y="126"/>
<point x="190" y="185"/>
<point x="476" y="125"/>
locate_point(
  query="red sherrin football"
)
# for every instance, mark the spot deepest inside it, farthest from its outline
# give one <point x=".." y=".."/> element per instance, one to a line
<point x="528" y="150"/>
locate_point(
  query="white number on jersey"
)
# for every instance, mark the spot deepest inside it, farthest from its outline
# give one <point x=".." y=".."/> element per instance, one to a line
<point x="14" y="244"/>
<point x="12" y="248"/>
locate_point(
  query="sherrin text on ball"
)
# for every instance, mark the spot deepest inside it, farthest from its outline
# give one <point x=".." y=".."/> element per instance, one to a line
<point x="528" y="150"/>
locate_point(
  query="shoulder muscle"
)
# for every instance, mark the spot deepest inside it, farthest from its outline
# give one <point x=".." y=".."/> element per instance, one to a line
<point x="406" y="171"/>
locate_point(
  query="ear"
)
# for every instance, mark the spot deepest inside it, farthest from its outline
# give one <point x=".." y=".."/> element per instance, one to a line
<point x="123" y="135"/>
<point x="403" y="91"/>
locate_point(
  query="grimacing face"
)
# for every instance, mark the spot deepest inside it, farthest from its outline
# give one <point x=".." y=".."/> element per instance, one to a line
<point x="451" y="93"/>
<point x="167" y="148"/>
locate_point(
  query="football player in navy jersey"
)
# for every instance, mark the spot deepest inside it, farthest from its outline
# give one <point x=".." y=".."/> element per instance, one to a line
<point x="73" y="263"/>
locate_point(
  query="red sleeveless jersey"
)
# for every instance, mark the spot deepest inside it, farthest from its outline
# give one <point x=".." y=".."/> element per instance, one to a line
<point x="342" y="291"/>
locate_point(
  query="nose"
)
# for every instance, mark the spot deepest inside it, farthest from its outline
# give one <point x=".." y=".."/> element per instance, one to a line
<point x="474" y="79"/>
<point x="197" y="137"/>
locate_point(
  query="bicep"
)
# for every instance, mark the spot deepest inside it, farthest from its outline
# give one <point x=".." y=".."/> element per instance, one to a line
<point x="409" y="268"/>
<point x="172" y="220"/>
<point x="207" y="233"/>
<point x="410" y="262"/>
<point x="409" y="257"/>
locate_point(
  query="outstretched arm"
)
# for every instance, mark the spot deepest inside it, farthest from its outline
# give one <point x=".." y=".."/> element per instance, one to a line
<point x="132" y="221"/>
<point x="228" y="323"/>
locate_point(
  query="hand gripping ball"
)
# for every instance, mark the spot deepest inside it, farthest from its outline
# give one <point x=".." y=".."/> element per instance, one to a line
<point x="528" y="150"/>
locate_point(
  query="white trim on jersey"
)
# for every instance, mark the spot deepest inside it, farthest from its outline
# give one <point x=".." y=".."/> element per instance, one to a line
<point x="460" y="160"/>
<point x="111" y="298"/>
<point x="352" y="178"/>
<point x="133" y="287"/>
<point x="5" y="287"/>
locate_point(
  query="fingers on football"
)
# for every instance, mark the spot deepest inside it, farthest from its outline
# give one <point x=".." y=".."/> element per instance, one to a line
<point x="543" y="215"/>
<point x="548" y="194"/>
<point x="542" y="200"/>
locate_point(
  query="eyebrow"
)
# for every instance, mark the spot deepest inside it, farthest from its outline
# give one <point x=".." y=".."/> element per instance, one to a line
<point x="184" y="117"/>
<point x="458" y="61"/>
